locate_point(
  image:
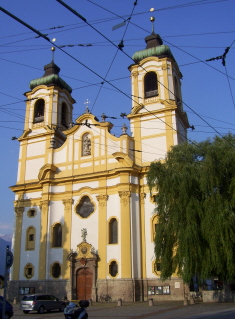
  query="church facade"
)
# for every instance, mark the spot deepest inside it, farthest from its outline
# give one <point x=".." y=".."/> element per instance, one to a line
<point x="84" y="216"/>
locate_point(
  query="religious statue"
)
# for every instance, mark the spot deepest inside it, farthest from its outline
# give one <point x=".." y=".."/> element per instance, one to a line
<point x="124" y="128"/>
<point x="86" y="145"/>
<point x="84" y="234"/>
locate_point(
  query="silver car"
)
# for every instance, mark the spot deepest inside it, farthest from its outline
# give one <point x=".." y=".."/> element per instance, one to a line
<point x="40" y="303"/>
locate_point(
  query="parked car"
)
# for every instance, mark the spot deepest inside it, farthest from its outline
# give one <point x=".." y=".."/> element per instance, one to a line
<point x="8" y="310"/>
<point x="40" y="303"/>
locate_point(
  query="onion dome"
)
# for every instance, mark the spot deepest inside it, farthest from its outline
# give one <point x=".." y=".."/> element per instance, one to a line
<point x="154" y="47"/>
<point x="50" y="78"/>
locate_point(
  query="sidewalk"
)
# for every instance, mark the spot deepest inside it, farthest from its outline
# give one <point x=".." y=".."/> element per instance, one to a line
<point x="139" y="310"/>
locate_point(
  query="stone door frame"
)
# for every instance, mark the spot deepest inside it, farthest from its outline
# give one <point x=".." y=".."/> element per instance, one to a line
<point x="83" y="258"/>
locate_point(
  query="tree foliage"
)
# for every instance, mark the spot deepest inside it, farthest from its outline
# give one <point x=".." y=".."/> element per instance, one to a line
<point x="195" y="203"/>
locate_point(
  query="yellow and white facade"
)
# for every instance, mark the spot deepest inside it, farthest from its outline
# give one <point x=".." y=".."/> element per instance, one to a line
<point x="84" y="221"/>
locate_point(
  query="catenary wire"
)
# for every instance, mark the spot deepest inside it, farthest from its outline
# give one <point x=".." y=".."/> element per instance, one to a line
<point x="135" y="3"/>
<point x="43" y="36"/>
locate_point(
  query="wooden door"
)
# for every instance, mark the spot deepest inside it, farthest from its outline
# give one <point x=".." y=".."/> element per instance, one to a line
<point x="84" y="283"/>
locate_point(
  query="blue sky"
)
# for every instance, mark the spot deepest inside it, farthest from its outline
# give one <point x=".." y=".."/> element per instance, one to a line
<point x="195" y="31"/>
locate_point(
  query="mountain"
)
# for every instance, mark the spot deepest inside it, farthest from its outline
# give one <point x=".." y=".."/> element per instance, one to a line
<point x="3" y="244"/>
<point x="7" y="237"/>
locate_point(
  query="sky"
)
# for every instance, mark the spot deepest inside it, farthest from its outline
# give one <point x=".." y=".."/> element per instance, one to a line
<point x="195" y="31"/>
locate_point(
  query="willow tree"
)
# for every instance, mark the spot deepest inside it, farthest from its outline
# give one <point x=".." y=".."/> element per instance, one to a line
<point x="195" y="203"/>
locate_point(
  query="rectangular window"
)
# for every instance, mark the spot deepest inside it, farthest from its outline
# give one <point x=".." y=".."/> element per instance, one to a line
<point x="31" y="237"/>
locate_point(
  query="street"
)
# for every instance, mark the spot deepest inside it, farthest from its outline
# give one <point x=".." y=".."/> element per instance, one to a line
<point x="141" y="310"/>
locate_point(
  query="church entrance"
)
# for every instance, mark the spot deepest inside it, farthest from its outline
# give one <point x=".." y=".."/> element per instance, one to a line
<point x="84" y="283"/>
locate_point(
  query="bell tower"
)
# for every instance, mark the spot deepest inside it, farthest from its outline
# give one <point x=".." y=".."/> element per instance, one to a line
<point x="49" y="107"/>
<point x="157" y="119"/>
<point x="50" y="102"/>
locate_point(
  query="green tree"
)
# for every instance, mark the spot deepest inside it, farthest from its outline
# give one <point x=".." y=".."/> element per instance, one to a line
<point x="195" y="203"/>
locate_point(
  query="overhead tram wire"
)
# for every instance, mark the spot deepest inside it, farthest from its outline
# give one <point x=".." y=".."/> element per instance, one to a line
<point x="90" y="25"/>
<point x="115" y="146"/>
<point x="197" y="58"/>
<point x="2" y="45"/>
<point x="82" y="18"/>
<point x="11" y="128"/>
<point x="230" y="86"/>
<point x="223" y="57"/>
<point x="66" y="76"/>
<point x="47" y="39"/>
<point x="169" y="43"/>
<point x="102" y="44"/>
<point x="16" y="51"/>
<point x="195" y="3"/>
<point x="119" y="48"/>
<point x="190" y="4"/>
<point x="94" y="83"/>
<point x="173" y="7"/>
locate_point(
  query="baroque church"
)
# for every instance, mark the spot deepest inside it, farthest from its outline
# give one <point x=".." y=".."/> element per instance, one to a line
<point x="84" y="215"/>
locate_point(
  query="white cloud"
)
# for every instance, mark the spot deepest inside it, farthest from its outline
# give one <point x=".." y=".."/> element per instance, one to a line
<point x="5" y="226"/>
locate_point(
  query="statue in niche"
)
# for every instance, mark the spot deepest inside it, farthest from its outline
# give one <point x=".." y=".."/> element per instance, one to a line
<point x="84" y="234"/>
<point x="86" y="145"/>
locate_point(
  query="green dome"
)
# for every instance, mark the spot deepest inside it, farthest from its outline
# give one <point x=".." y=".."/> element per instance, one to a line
<point x="155" y="47"/>
<point x="50" y="77"/>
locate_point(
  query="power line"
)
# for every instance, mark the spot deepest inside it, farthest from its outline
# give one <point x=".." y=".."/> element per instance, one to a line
<point x="190" y="4"/>
<point x="223" y="58"/>
<point x="119" y="48"/>
<point x="78" y="15"/>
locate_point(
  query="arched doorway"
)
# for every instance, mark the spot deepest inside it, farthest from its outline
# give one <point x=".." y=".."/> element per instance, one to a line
<point x="84" y="283"/>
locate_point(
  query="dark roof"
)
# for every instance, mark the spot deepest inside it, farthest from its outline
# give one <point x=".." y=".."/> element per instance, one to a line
<point x="50" y="77"/>
<point x="154" y="47"/>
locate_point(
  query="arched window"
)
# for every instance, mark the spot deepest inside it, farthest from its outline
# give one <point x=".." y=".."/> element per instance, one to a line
<point x="113" y="231"/>
<point x="150" y="84"/>
<point x="113" y="269"/>
<point x="56" y="270"/>
<point x="39" y="111"/>
<point x="57" y="235"/>
<point x="85" y="208"/>
<point x="64" y="115"/>
<point x="86" y="145"/>
<point x="29" y="271"/>
<point x="30" y="238"/>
